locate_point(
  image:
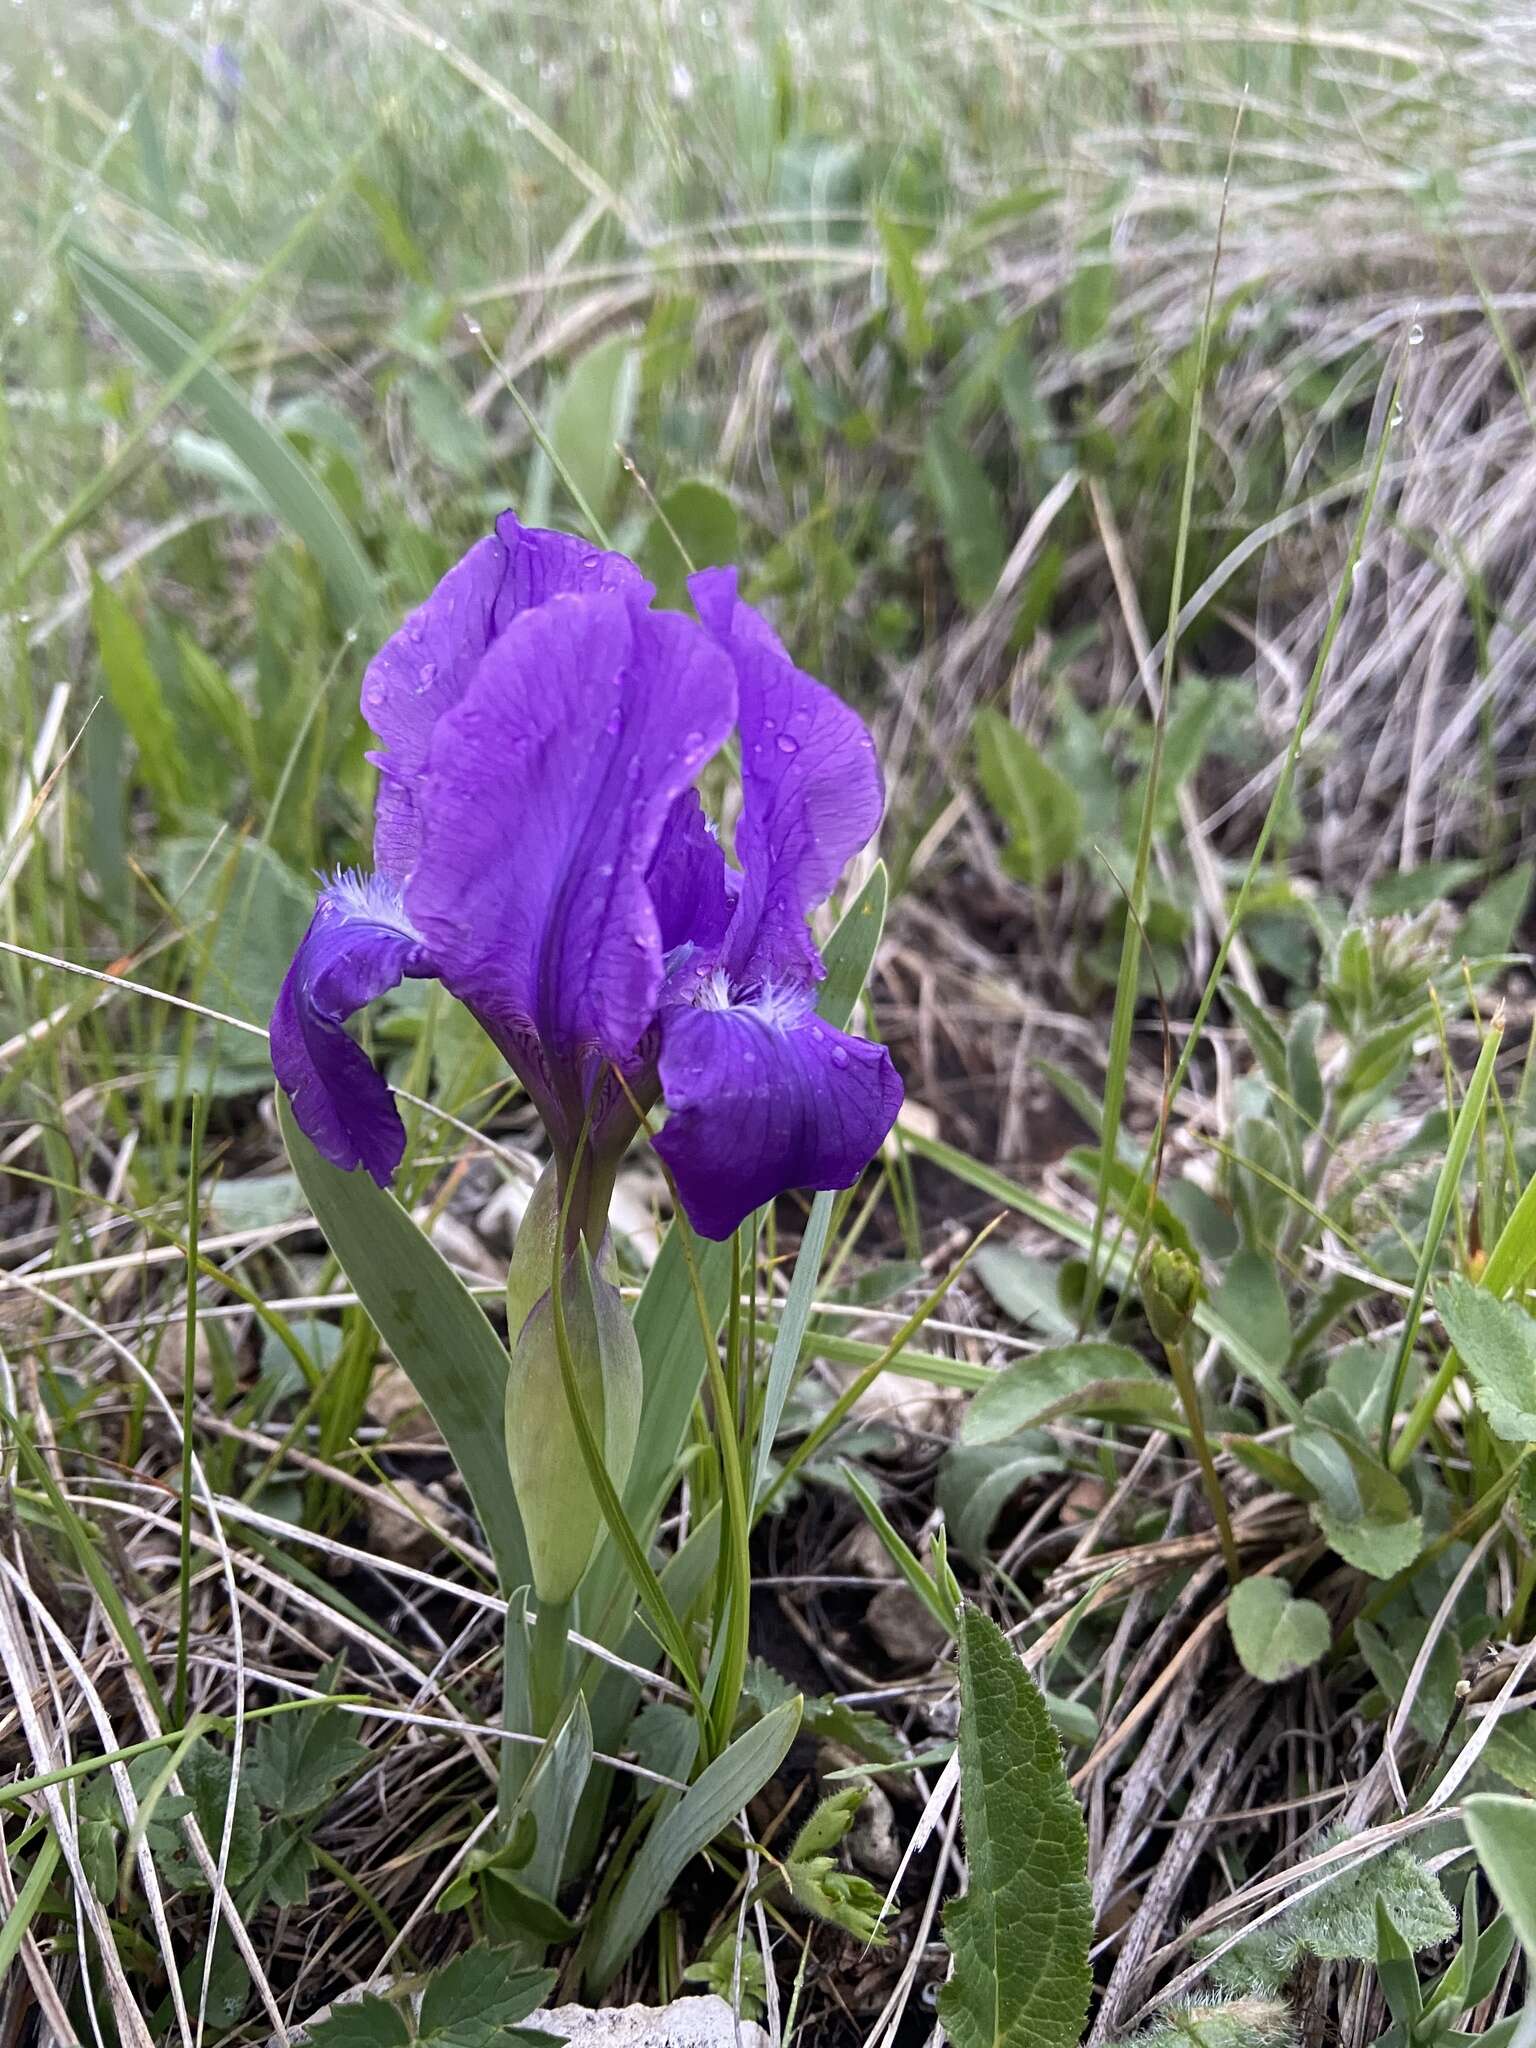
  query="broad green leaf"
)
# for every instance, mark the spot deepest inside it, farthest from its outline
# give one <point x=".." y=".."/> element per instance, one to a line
<point x="1252" y="1300"/>
<point x="296" y="496"/>
<point x="695" y="527"/>
<point x="437" y="1331"/>
<point x="1503" y="1832"/>
<point x="138" y="699"/>
<point x="1069" y="1379"/>
<point x="1497" y="1343"/>
<point x="1364" y="1510"/>
<point x="369" y="2022"/>
<point x="976" y="1482"/>
<point x="1275" y="1634"/>
<point x="205" y="1775"/>
<point x="592" y="418"/>
<point x="1021" y="1933"/>
<point x="1041" y="810"/>
<point x="469" y="2001"/>
<point x="1492" y="923"/>
<point x="297" y="1761"/>
<point x="968" y="512"/>
<point x="1026" y="1289"/>
<point x="711" y="1802"/>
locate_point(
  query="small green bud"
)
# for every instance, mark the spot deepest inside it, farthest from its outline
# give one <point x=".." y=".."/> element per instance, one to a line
<point x="828" y="1824"/>
<point x="561" y="1516"/>
<point x="1170" y="1292"/>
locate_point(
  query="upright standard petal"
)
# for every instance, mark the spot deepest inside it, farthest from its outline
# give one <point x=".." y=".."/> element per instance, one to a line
<point x="762" y="1097"/>
<point x="544" y="801"/>
<point x="690" y="884"/>
<point x="358" y="945"/>
<point x="424" y="670"/>
<point x="812" y="792"/>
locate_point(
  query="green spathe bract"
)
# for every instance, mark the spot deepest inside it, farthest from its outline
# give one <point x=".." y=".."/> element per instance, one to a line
<point x="561" y="1516"/>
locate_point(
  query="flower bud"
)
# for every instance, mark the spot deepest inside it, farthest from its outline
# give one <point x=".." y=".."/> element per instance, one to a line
<point x="1170" y="1292"/>
<point x="561" y="1516"/>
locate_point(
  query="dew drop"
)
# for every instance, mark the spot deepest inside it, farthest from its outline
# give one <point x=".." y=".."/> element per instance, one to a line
<point x="350" y="636"/>
<point x="439" y="43"/>
<point x="615" y="724"/>
<point x="1397" y="417"/>
<point x="591" y="564"/>
<point x="1415" y="335"/>
<point x="839" y="1057"/>
<point x="787" y="745"/>
<point x="19" y="317"/>
<point x="426" y="676"/>
<point x="472" y="326"/>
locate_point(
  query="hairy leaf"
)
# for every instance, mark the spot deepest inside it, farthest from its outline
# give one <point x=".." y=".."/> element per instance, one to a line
<point x="1020" y="1935"/>
<point x="1069" y="1379"/>
<point x="1275" y="1634"/>
<point x="1497" y="1342"/>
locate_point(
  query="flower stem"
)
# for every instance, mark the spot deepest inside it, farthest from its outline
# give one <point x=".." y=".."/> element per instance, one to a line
<point x="547" y="1664"/>
<point x="1189" y="1400"/>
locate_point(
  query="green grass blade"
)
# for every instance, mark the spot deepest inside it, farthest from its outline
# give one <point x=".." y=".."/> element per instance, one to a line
<point x="28" y="1899"/>
<point x="296" y="495"/>
<point x="1447" y="1185"/>
<point x="716" y="1796"/>
<point x="793" y="1324"/>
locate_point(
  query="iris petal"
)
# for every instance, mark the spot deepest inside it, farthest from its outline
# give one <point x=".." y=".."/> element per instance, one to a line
<point x="762" y="1099"/>
<point x="545" y="797"/>
<point x="811" y="788"/>
<point x="690" y="885"/>
<point x="425" y="668"/>
<point x="358" y="946"/>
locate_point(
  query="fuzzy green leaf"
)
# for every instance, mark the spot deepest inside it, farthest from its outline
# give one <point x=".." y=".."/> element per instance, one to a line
<point x="368" y="2023"/>
<point x="1497" y="1342"/>
<point x="298" y="1760"/>
<point x="1275" y="1634"/>
<point x="1068" y="1379"/>
<point x="1020" y="1935"/>
<point x="470" y="2001"/>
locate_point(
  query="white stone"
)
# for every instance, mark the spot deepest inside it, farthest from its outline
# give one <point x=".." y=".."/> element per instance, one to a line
<point x="687" y="2023"/>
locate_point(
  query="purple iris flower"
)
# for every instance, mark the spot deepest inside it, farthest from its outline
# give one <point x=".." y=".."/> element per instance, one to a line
<point x="539" y="849"/>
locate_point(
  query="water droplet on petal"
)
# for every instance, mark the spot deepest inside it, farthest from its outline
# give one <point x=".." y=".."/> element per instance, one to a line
<point x="591" y="564"/>
<point x="615" y="725"/>
<point x="426" y="676"/>
<point x="787" y="745"/>
<point x="839" y="1056"/>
